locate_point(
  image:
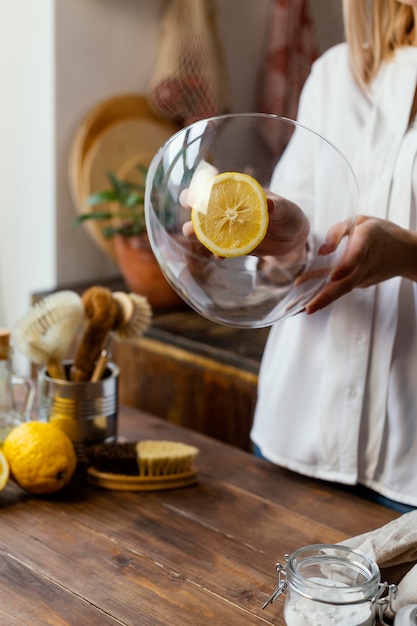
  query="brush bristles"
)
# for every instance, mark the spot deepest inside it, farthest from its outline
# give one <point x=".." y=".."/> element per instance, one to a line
<point x="163" y="458"/>
<point x="137" y="317"/>
<point x="47" y="330"/>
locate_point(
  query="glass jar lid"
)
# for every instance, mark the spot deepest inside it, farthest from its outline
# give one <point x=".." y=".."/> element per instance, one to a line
<point x="333" y="574"/>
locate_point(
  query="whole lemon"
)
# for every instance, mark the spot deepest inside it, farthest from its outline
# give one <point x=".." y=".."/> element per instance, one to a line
<point x="41" y="457"/>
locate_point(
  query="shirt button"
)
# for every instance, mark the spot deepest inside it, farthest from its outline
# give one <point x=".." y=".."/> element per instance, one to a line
<point x="352" y="392"/>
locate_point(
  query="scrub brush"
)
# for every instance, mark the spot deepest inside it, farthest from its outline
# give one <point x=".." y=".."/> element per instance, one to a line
<point x="102" y="312"/>
<point x="45" y="333"/>
<point x="143" y="466"/>
<point x="136" y="316"/>
<point x="133" y="319"/>
<point x="151" y="458"/>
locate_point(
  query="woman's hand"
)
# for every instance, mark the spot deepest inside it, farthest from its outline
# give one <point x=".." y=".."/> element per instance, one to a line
<point x="376" y="251"/>
<point x="287" y="232"/>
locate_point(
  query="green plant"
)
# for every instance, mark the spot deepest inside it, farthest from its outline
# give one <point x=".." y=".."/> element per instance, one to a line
<point x="129" y="218"/>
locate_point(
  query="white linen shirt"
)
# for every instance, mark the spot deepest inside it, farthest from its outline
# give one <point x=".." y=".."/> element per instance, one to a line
<point x="337" y="396"/>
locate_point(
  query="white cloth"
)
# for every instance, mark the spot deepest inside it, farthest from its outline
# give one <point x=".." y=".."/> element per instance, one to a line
<point x="338" y="390"/>
<point x="393" y="544"/>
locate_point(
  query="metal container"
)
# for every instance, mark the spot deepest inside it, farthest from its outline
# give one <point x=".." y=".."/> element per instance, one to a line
<point x="86" y="411"/>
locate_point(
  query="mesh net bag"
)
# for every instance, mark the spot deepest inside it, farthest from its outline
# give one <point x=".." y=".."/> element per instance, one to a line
<point x="189" y="80"/>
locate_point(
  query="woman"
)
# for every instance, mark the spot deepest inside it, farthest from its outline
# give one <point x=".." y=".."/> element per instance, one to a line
<point x="337" y="390"/>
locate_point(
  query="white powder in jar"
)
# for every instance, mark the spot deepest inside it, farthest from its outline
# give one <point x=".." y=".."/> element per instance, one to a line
<point x="327" y="615"/>
<point x="300" y="611"/>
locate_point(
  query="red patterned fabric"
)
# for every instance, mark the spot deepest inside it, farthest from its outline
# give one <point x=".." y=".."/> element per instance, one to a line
<point x="290" y="52"/>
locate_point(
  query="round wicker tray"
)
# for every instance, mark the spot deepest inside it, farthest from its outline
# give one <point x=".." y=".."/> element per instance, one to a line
<point x="113" y="132"/>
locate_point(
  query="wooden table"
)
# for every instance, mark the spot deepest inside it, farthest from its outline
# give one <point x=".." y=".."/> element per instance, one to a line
<point x="199" y="555"/>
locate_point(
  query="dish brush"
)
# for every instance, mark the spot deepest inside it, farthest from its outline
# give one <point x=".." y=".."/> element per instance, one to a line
<point x="101" y="311"/>
<point x="134" y="317"/>
<point x="45" y="333"/>
<point x="143" y="466"/>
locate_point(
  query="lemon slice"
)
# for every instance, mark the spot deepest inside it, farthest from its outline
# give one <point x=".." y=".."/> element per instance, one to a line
<point x="4" y="471"/>
<point x="230" y="214"/>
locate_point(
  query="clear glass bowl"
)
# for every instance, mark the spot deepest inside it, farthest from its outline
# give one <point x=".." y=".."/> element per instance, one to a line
<point x="286" y="158"/>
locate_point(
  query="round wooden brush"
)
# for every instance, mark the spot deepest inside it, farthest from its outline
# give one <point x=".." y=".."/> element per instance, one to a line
<point x="134" y="317"/>
<point x="45" y="333"/>
<point x="142" y="466"/>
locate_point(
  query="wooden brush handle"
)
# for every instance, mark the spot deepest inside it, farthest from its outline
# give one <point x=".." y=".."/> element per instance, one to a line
<point x="101" y="311"/>
<point x="100" y="367"/>
<point x="56" y="370"/>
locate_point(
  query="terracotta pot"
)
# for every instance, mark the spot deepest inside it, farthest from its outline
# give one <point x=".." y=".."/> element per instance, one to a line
<point x="142" y="273"/>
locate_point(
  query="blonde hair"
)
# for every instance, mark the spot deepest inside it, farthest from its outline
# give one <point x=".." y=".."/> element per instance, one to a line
<point x="373" y="30"/>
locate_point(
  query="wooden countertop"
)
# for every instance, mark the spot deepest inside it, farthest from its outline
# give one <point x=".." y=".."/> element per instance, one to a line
<point x="199" y="555"/>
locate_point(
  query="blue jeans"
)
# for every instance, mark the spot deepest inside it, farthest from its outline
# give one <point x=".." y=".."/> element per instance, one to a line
<point x="361" y="491"/>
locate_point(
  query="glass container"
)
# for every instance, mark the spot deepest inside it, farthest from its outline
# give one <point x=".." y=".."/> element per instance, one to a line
<point x="16" y="392"/>
<point x="286" y="158"/>
<point x="331" y="584"/>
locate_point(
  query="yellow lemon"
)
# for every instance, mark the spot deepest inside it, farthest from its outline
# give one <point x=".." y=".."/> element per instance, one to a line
<point x="41" y="457"/>
<point x="4" y="471"/>
<point x="230" y="215"/>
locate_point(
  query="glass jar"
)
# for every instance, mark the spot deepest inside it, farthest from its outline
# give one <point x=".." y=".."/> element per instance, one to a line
<point x="12" y="412"/>
<point x="331" y="585"/>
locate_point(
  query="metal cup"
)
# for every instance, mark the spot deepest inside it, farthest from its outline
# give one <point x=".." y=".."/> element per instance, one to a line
<point x="86" y="411"/>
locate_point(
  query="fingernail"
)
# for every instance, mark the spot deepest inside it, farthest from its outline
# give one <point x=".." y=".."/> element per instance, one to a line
<point x="312" y="309"/>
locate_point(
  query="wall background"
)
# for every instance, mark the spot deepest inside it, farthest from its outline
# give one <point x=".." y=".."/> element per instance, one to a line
<point x="58" y="58"/>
